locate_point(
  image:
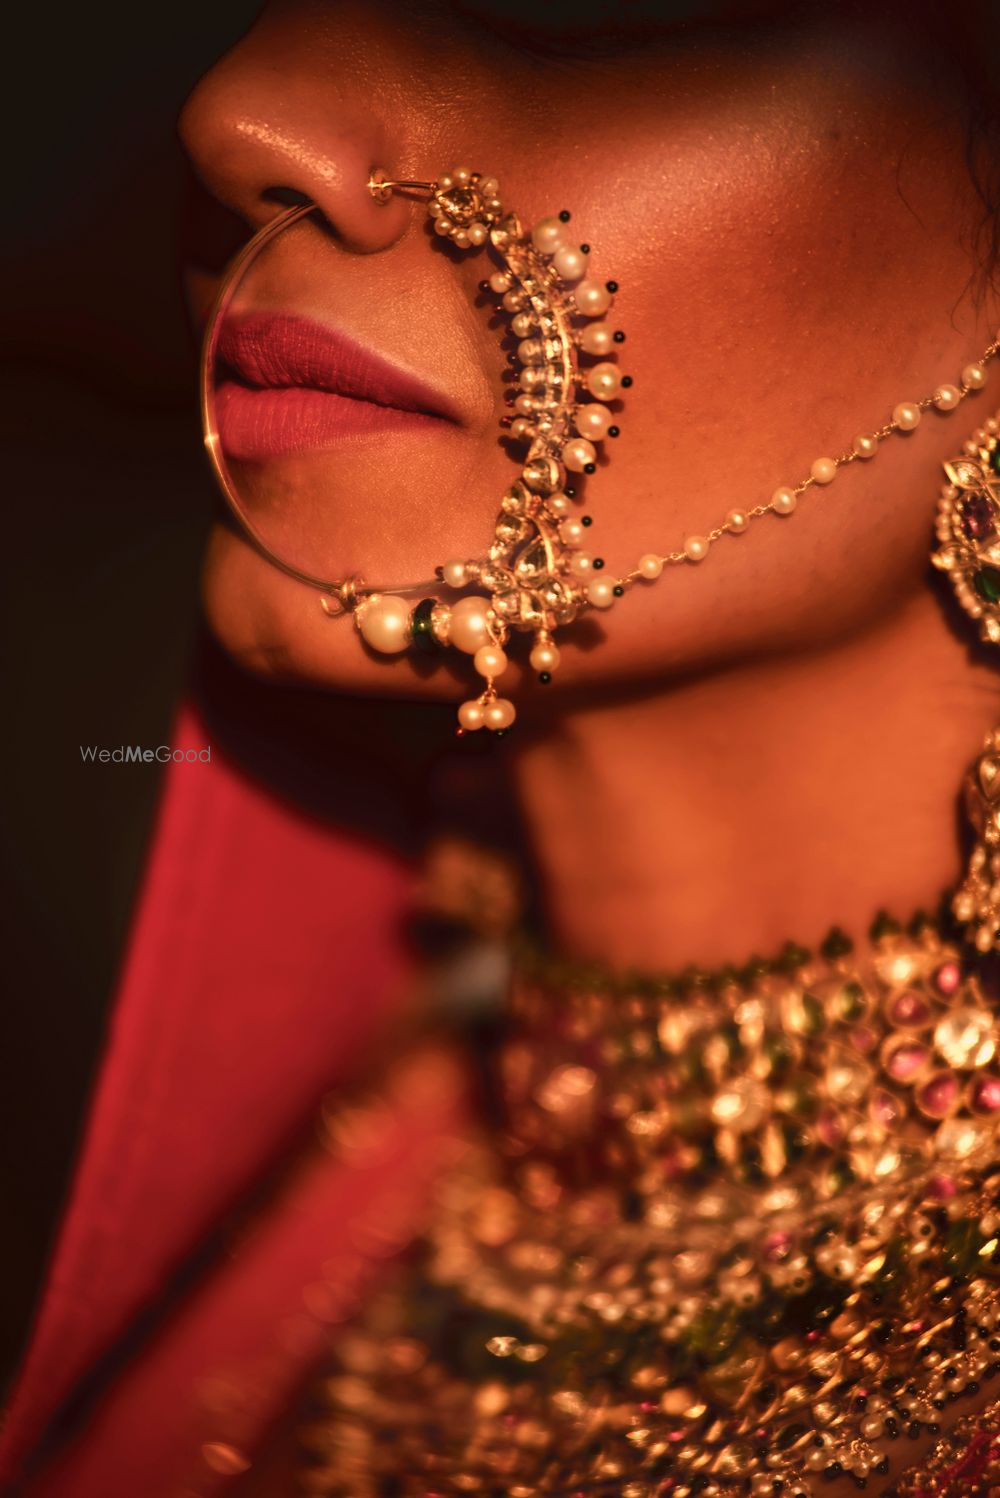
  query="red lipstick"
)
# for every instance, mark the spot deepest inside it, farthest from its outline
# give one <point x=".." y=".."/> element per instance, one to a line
<point x="287" y="384"/>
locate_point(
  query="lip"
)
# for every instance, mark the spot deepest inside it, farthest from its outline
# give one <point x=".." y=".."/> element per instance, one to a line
<point x="288" y="384"/>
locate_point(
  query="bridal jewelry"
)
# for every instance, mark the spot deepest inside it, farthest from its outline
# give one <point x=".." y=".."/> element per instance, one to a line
<point x="538" y="574"/>
<point x="738" y="1235"/>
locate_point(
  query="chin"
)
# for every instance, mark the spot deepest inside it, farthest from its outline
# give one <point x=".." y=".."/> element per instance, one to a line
<point x="274" y="627"/>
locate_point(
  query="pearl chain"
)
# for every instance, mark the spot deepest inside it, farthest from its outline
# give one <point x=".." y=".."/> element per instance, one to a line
<point x="906" y="416"/>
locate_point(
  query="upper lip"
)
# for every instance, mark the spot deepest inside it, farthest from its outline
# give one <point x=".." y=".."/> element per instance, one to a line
<point x="277" y="351"/>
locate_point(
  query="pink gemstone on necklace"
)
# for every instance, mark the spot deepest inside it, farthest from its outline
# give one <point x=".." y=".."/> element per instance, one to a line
<point x="947" y="978"/>
<point x="986" y="1094"/>
<point x="905" y="1061"/>
<point x="937" y="1097"/>
<point x="909" y="1009"/>
<point x="943" y="1187"/>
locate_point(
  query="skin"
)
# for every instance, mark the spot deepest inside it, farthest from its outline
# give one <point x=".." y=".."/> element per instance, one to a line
<point x="760" y="744"/>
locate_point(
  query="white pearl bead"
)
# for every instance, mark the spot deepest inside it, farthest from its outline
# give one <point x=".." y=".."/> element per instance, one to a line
<point x="499" y="713"/>
<point x="461" y="238"/>
<point x="490" y="660"/>
<point x="460" y="174"/>
<point x="548" y="235"/>
<point x="578" y="453"/>
<point x="477" y="234"/>
<point x="906" y="415"/>
<point x="501" y="281"/>
<point x="592" y="298"/>
<point x="522" y="324"/>
<point x="530" y="351"/>
<point x="384" y="622"/>
<point x="470" y="716"/>
<point x="570" y="263"/>
<point x="651" y="565"/>
<point x="865" y="445"/>
<point x="696" y="547"/>
<point x="784" y="500"/>
<point x="604" y="381"/>
<point x="823" y="471"/>
<point x="455" y="574"/>
<point x="737" y="521"/>
<point x="558" y="504"/>
<point x="544" y="657"/>
<point x="601" y="593"/>
<point x="572" y="532"/>
<point x="526" y="405"/>
<point x="442" y="226"/>
<point x="947" y="397"/>
<point x="582" y="564"/>
<point x="514" y="301"/>
<point x="593" y="422"/>
<point x="522" y="430"/>
<point x="470" y="624"/>
<point x="489" y="187"/>
<point x="531" y="378"/>
<point x="974" y="377"/>
<point x="597" y="338"/>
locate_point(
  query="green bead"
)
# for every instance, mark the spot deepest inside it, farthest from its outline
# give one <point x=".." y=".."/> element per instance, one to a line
<point x="884" y="924"/>
<point x="987" y="584"/>
<point x="421" y="630"/>
<point x="995" y="458"/>
<point x="851" y="1001"/>
<point x="836" y="944"/>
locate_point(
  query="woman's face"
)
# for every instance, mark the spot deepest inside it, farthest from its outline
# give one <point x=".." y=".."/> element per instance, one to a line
<point x="786" y="208"/>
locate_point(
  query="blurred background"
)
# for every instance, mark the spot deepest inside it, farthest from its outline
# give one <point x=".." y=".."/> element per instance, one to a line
<point x="107" y="502"/>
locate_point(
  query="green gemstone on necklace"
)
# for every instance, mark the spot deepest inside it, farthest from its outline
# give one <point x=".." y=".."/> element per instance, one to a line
<point x="995" y="458"/>
<point x="987" y="584"/>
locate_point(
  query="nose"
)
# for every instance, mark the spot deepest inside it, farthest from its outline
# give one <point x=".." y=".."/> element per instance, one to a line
<point x="259" y="133"/>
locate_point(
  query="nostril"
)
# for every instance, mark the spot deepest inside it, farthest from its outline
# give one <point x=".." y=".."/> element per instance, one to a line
<point x="288" y="197"/>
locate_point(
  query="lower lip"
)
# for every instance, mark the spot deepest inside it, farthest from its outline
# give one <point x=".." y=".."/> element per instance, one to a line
<point x="258" y="424"/>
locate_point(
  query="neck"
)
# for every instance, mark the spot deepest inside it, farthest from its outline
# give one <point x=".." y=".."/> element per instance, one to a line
<point x="725" y="815"/>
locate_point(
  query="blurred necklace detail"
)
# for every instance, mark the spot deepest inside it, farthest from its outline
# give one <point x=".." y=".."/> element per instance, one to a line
<point x="537" y="575"/>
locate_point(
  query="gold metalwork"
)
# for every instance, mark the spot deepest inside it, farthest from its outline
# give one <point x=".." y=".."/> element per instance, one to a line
<point x="739" y="1228"/>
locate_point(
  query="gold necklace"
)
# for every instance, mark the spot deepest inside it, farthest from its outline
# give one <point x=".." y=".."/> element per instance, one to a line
<point x="741" y="1233"/>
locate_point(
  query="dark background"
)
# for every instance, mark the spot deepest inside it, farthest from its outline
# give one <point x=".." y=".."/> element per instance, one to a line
<point x="106" y="502"/>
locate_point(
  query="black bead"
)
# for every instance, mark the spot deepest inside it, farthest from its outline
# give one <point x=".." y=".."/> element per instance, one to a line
<point x="585" y="249"/>
<point x="626" y="382"/>
<point x="614" y="431"/>
<point x="612" y="286"/>
<point x="545" y="677"/>
<point x="882" y="1467"/>
<point x="569" y="492"/>
<point x="500" y="733"/>
<point x="590" y="467"/>
<point x="564" y="216"/>
<point x="598" y="563"/>
<point x="586" y="519"/>
<point x="618" y="590"/>
<point x="618" y="337"/>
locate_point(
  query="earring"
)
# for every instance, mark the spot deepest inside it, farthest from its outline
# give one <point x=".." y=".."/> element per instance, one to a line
<point x="968" y="533"/>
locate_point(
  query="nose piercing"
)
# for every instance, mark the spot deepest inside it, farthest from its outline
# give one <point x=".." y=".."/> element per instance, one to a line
<point x="381" y="188"/>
